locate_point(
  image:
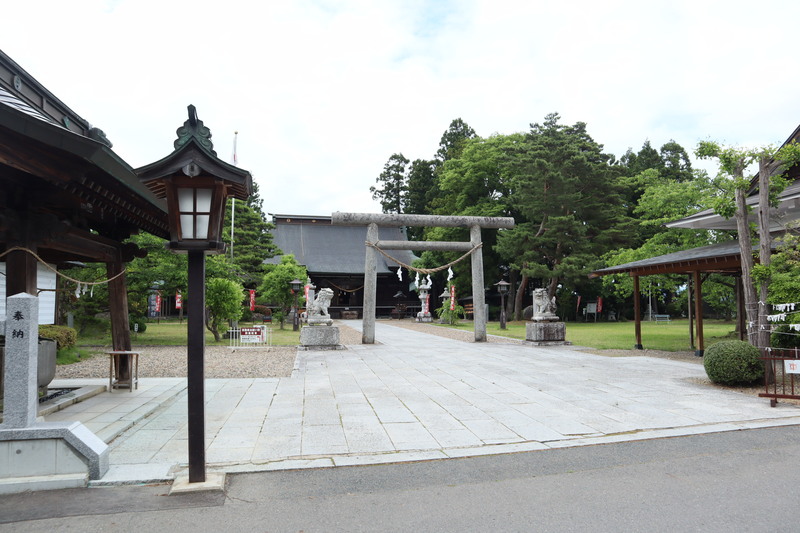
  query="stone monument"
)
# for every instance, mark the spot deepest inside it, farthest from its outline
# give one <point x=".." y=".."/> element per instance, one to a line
<point x="38" y="455"/>
<point x="320" y="333"/>
<point x="544" y="328"/>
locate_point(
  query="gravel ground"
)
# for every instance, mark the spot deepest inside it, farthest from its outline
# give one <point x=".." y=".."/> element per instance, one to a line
<point x="221" y="361"/>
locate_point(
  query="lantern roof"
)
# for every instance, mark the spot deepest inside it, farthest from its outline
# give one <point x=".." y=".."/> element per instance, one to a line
<point x="194" y="147"/>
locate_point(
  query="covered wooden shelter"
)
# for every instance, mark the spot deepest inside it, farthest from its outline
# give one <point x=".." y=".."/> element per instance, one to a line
<point x="697" y="264"/>
<point x="65" y="195"/>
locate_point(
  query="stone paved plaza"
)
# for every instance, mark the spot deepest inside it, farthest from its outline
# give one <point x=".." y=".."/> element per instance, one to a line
<point x="413" y="396"/>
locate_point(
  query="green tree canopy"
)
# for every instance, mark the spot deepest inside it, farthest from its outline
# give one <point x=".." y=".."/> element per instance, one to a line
<point x="224" y="299"/>
<point x="275" y="289"/>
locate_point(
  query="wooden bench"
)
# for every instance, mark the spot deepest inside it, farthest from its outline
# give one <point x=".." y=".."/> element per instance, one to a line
<point x="661" y="318"/>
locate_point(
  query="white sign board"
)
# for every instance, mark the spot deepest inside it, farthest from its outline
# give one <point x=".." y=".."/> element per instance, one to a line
<point x="255" y="334"/>
<point x="791" y="366"/>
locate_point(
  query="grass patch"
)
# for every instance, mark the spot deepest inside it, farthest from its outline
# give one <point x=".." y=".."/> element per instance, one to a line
<point x="174" y="333"/>
<point x="671" y="337"/>
<point x="70" y="355"/>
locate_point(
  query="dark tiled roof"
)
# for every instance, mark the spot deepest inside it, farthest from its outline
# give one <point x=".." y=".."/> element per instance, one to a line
<point x="326" y="249"/>
<point x="12" y="101"/>
<point x="721" y="257"/>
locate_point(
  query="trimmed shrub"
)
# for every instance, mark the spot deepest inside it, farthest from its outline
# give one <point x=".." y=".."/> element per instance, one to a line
<point x="784" y="337"/>
<point x="733" y="363"/>
<point x="64" y="336"/>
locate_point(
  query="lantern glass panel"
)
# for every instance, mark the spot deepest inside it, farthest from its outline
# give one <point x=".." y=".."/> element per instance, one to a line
<point x="201" y="222"/>
<point x="203" y="201"/>
<point x="185" y="201"/>
<point x="187" y="227"/>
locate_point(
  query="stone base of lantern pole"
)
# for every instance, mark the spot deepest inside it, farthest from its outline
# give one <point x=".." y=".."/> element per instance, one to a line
<point x="424" y="317"/>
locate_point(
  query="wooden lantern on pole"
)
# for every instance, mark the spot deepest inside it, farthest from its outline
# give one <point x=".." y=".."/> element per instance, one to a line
<point x="196" y="185"/>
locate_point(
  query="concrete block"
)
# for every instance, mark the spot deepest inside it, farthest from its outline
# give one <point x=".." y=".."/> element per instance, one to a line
<point x="68" y="461"/>
<point x="546" y="332"/>
<point x="31" y="458"/>
<point x="319" y="336"/>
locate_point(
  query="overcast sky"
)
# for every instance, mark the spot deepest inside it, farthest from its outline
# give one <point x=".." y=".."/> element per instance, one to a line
<point x="323" y="92"/>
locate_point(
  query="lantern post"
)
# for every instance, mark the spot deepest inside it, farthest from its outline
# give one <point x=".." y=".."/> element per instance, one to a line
<point x="196" y="185"/>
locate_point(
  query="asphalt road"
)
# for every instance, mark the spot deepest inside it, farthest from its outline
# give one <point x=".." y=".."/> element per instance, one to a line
<point x="734" y="481"/>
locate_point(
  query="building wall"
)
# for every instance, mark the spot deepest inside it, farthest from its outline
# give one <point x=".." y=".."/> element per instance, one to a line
<point x="46" y="283"/>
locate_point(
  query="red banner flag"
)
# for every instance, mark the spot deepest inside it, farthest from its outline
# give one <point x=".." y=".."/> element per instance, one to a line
<point x="600" y="305"/>
<point x="252" y="299"/>
<point x="178" y="300"/>
<point x="158" y="301"/>
<point x="452" y="297"/>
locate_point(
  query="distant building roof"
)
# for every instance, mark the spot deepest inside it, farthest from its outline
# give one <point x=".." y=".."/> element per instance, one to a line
<point x="788" y="208"/>
<point x="326" y="249"/>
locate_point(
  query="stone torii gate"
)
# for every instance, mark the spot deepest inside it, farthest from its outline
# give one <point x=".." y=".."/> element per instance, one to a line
<point x="373" y="220"/>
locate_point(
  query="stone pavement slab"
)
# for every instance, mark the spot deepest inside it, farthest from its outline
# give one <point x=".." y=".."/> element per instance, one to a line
<point x="413" y="397"/>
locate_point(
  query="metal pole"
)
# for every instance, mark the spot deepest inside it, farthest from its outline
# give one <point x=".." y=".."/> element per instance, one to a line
<point x="478" y="297"/>
<point x="370" y="286"/>
<point x="194" y="375"/>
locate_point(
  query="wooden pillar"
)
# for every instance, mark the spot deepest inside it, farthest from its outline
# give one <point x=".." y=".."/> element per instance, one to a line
<point x="195" y="377"/>
<point x="118" y="305"/>
<point x="698" y="311"/>
<point x="478" y="296"/>
<point x="370" y="286"/>
<point x="21" y="270"/>
<point x="689" y="312"/>
<point x="637" y="313"/>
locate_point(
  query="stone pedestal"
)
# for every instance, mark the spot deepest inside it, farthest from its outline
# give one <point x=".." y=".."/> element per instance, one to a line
<point x="542" y="333"/>
<point x="320" y="338"/>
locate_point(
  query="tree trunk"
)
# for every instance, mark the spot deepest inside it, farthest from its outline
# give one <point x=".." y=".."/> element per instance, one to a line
<point x="520" y="297"/>
<point x="765" y="249"/>
<point x="746" y="253"/>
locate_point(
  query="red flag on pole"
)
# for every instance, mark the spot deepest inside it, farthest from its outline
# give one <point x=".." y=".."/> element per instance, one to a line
<point x="252" y="299"/>
<point x="452" y="297"/>
<point x="178" y="300"/>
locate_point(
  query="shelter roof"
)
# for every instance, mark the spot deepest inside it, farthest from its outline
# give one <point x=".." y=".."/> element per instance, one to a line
<point x="722" y="257"/>
<point x="55" y="166"/>
<point x="327" y="249"/>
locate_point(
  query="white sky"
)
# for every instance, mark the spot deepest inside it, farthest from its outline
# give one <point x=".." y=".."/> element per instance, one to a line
<point x="323" y="92"/>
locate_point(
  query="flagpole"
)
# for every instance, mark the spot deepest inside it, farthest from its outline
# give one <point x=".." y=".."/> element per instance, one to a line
<point x="233" y="200"/>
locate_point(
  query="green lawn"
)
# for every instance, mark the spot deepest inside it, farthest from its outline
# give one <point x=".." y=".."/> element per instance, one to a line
<point x="174" y="333"/>
<point x="672" y="336"/>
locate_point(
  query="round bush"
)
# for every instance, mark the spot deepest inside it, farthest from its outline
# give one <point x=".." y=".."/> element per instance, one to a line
<point x="733" y="363"/>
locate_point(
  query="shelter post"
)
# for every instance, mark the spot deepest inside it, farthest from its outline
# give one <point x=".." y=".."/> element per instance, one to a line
<point x="370" y="286"/>
<point x="120" y="324"/>
<point x="698" y="311"/>
<point x="478" y="296"/>
<point x="21" y="269"/>
<point x="637" y="313"/>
